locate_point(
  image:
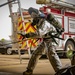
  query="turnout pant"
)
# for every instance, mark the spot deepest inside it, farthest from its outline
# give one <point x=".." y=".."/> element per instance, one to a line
<point x="50" y="52"/>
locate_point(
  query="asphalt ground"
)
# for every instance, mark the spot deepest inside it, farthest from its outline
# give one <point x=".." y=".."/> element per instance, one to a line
<point x="11" y="65"/>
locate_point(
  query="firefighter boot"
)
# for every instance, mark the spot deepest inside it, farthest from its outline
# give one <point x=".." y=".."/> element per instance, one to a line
<point x="28" y="72"/>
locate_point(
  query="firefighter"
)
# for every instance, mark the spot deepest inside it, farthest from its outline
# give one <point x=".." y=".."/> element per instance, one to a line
<point x="43" y="23"/>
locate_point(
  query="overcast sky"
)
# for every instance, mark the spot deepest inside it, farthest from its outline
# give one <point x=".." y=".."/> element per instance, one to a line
<point x="5" y="21"/>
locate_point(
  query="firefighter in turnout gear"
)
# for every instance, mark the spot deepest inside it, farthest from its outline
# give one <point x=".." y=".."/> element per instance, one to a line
<point x="43" y="31"/>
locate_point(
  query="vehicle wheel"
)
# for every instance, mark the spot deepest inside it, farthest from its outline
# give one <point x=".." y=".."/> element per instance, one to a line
<point x="69" y="46"/>
<point x="2" y="53"/>
<point x="22" y="52"/>
<point x="9" y="52"/>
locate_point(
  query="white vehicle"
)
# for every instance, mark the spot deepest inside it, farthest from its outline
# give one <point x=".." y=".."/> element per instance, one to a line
<point x="64" y="11"/>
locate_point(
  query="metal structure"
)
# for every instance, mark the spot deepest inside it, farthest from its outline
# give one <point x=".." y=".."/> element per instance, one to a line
<point x="14" y="23"/>
<point x="11" y="9"/>
<point x="19" y="25"/>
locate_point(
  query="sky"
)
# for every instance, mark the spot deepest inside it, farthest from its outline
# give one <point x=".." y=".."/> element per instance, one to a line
<point x="5" y="20"/>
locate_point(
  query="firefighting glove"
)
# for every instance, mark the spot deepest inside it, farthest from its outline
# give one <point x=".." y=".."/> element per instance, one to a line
<point x="24" y="35"/>
<point x="35" y="21"/>
<point x="59" y="31"/>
